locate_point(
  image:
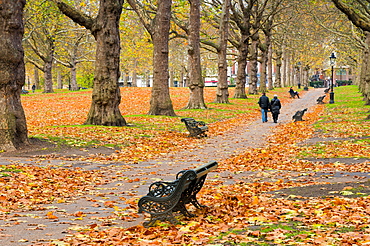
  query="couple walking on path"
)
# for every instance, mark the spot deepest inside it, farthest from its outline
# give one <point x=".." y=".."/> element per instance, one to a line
<point x="266" y="105"/>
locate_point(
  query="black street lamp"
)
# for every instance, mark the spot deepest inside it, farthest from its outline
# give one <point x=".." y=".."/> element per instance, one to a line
<point x="332" y="63"/>
<point x="299" y="75"/>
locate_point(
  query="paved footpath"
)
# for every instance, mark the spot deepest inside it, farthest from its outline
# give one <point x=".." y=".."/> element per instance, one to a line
<point x="32" y="227"/>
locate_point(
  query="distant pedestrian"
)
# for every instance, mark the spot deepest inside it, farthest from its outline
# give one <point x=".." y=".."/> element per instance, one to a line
<point x="264" y="103"/>
<point x="33" y="88"/>
<point x="293" y="93"/>
<point x="275" y="108"/>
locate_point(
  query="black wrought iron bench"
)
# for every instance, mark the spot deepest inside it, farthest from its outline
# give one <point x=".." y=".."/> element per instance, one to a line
<point x="164" y="198"/>
<point x="298" y="115"/>
<point x="196" y="128"/>
<point x="320" y="100"/>
<point x="326" y="90"/>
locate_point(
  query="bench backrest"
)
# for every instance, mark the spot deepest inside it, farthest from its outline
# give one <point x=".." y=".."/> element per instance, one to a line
<point x="206" y="168"/>
<point x="187" y="120"/>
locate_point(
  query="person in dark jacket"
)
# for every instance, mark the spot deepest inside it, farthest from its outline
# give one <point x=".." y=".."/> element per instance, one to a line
<point x="264" y="103"/>
<point x="275" y="108"/>
<point x="293" y="93"/>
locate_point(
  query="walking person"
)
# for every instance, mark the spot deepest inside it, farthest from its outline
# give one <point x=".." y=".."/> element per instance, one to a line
<point x="33" y="88"/>
<point x="275" y="108"/>
<point x="264" y="103"/>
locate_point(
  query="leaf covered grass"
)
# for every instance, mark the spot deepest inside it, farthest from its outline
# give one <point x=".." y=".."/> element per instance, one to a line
<point x="244" y="212"/>
<point x="60" y="117"/>
<point x="345" y="123"/>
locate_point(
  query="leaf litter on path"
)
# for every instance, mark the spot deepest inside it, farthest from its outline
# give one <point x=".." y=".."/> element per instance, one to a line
<point x="242" y="205"/>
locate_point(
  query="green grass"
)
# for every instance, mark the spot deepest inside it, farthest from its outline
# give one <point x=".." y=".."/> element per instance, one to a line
<point x="344" y="119"/>
<point x="6" y="171"/>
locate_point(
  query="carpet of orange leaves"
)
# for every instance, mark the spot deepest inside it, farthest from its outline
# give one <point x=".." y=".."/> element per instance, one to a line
<point x="61" y="116"/>
<point x="242" y="212"/>
<point x="239" y="213"/>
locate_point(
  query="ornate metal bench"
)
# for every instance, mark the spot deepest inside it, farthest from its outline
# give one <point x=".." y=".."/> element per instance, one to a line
<point x="326" y="90"/>
<point x="298" y="115"/>
<point x="320" y="99"/>
<point x="164" y="198"/>
<point x="196" y="128"/>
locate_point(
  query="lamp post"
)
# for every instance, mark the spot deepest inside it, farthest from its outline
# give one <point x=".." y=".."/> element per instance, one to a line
<point x="332" y="63"/>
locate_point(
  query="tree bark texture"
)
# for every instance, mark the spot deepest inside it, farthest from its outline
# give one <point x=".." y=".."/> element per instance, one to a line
<point x="13" y="127"/>
<point x="106" y="97"/>
<point x="73" y="82"/>
<point x="160" y="101"/>
<point x="354" y="15"/>
<point x="36" y="77"/>
<point x="241" y="73"/>
<point x="269" y="69"/>
<point x="365" y="72"/>
<point x="59" y="80"/>
<point x="263" y="71"/>
<point x="158" y="28"/>
<point x="279" y="64"/>
<point x="196" y="83"/>
<point x="222" y="94"/>
<point x="48" y="76"/>
<point x="284" y="73"/>
<point x="254" y="65"/>
<point x="305" y="76"/>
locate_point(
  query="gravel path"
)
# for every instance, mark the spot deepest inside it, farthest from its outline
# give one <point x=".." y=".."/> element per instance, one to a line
<point x="32" y="228"/>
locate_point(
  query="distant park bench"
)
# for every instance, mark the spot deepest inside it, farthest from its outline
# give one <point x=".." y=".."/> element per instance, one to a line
<point x="326" y="90"/>
<point x="298" y="115"/>
<point x="196" y="128"/>
<point x="164" y="198"/>
<point x="320" y="99"/>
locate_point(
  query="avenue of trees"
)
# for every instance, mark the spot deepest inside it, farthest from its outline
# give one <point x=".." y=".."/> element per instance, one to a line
<point x="170" y="41"/>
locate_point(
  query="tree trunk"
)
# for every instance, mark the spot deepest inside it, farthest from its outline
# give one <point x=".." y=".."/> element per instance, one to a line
<point x="305" y="76"/>
<point x="196" y="83"/>
<point x="279" y="54"/>
<point x="59" y="80"/>
<point x="36" y="77"/>
<point x="366" y="66"/>
<point x="125" y="79"/>
<point x="242" y="65"/>
<point x="48" y="76"/>
<point x="254" y="65"/>
<point x="134" y="74"/>
<point x="284" y="74"/>
<point x="269" y="69"/>
<point x="263" y="72"/>
<point x="172" y="79"/>
<point x="13" y="127"/>
<point x="147" y="78"/>
<point x="106" y="95"/>
<point x="222" y="94"/>
<point x="73" y="82"/>
<point x="160" y="101"/>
